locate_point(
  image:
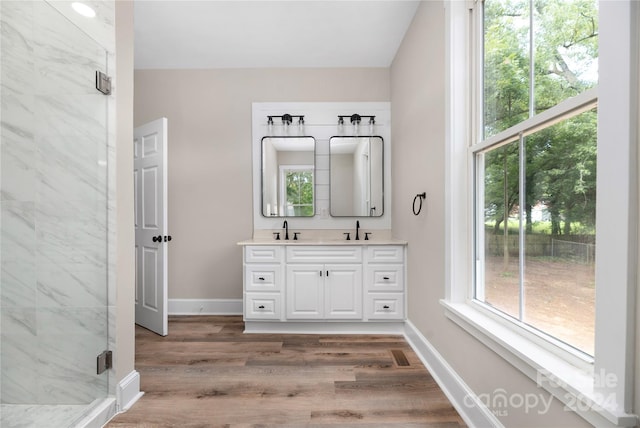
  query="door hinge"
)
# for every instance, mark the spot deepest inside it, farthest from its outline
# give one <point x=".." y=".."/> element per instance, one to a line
<point x="103" y="83"/>
<point x="105" y="361"/>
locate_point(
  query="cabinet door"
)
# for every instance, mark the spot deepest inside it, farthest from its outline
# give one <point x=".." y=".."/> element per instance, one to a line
<point x="305" y="292"/>
<point x="343" y="291"/>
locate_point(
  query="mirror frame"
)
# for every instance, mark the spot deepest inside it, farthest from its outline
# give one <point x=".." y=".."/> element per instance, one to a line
<point x="382" y="170"/>
<point x="262" y="173"/>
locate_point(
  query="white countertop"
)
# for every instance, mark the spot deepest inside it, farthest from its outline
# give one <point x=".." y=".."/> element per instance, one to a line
<point x="319" y="241"/>
<point x="322" y="237"/>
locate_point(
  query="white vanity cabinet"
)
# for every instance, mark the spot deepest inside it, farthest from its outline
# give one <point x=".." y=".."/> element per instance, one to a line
<point x="384" y="280"/>
<point x="298" y="283"/>
<point x="263" y="282"/>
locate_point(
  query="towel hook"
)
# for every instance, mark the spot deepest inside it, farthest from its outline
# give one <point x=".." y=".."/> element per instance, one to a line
<point x="419" y="197"/>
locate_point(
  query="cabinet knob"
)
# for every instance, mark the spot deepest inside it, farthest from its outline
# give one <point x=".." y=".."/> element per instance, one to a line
<point x="261" y="307"/>
<point x="386" y="278"/>
<point x="261" y="278"/>
<point x="385" y="307"/>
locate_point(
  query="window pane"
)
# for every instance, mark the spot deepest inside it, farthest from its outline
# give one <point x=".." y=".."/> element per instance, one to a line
<point x="560" y="216"/>
<point x="566" y="49"/>
<point x="565" y="58"/>
<point x="501" y="238"/>
<point x="554" y="290"/>
<point x="506" y="64"/>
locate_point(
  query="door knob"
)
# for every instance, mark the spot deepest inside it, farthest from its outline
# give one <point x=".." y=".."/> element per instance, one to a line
<point x="167" y="238"/>
<point x="157" y="238"/>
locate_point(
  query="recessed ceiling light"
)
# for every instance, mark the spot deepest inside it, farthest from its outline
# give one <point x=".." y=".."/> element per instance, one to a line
<point x="83" y="9"/>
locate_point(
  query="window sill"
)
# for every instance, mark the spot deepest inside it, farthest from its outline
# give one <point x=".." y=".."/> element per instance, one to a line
<point x="568" y="383"/>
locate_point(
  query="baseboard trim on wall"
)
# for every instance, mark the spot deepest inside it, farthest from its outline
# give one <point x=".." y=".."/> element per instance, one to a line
<point x="128" y="391"/>
<point x="465" y="401"/>
<point x="205" y="306"/>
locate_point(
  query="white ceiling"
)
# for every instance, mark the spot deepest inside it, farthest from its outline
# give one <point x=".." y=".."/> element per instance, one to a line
<point x="266" y="33"/>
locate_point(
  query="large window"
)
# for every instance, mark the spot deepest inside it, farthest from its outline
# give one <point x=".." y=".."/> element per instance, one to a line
<point x="535" y="167"/>
<point x="529" y="139"/>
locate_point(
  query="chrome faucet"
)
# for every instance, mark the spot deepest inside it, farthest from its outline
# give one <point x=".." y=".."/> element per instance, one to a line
<point x="285" y="226"/>
<point x="357" y="230"/>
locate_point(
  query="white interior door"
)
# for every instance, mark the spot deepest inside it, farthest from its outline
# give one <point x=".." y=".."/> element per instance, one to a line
<point x="150" y="176"/>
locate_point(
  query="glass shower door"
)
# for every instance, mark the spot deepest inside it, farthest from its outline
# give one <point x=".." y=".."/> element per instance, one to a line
<point x="54" y="231"/>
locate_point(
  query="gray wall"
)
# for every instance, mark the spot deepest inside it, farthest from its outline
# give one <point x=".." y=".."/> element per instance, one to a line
<point x="125" y="236"/>
<point x="210" y="184"/>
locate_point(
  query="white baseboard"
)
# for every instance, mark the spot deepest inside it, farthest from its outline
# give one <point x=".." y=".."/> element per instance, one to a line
<point x="465" y="401"/>
<point x="128" y="391"/>
<point x="205" y="306"/>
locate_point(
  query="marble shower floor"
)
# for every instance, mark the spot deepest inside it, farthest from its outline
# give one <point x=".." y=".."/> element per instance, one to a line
<point x="41" y="416"/>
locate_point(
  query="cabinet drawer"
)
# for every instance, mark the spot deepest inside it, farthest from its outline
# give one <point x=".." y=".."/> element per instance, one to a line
<point x="320" y="254"/>
<point x="263" y="306"/>
<point x="385" y="254"/>
<point x="382" y="277"/>
<point x="263" y="254"/>
<point x="263" y="277"/>
<point x="385" y="306"/>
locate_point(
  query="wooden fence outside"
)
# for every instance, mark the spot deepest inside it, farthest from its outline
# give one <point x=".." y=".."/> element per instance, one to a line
<point x="538" y="245"/>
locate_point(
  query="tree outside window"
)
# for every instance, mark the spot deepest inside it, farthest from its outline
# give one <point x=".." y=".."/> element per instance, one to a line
<point x="299" y="192"/>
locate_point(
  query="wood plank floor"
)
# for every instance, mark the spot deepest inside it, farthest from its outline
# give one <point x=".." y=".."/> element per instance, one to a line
<point x="207" y="373"/>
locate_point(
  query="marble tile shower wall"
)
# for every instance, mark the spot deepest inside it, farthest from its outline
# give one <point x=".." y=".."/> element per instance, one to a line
<point x="54" y="224"/>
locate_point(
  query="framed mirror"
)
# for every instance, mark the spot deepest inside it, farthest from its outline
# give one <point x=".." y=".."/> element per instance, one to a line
<point x="288" y="176"/>
<point x="356" y="176"/>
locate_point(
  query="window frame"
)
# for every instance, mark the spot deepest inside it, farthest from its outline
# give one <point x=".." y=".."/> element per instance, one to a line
<point x="568" y="377"/>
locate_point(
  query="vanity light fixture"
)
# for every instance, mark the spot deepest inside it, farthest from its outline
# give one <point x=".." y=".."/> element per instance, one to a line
<point x="83" y="9"/>
<point x="356" y="119"/>
<point x="287" y="119"/>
